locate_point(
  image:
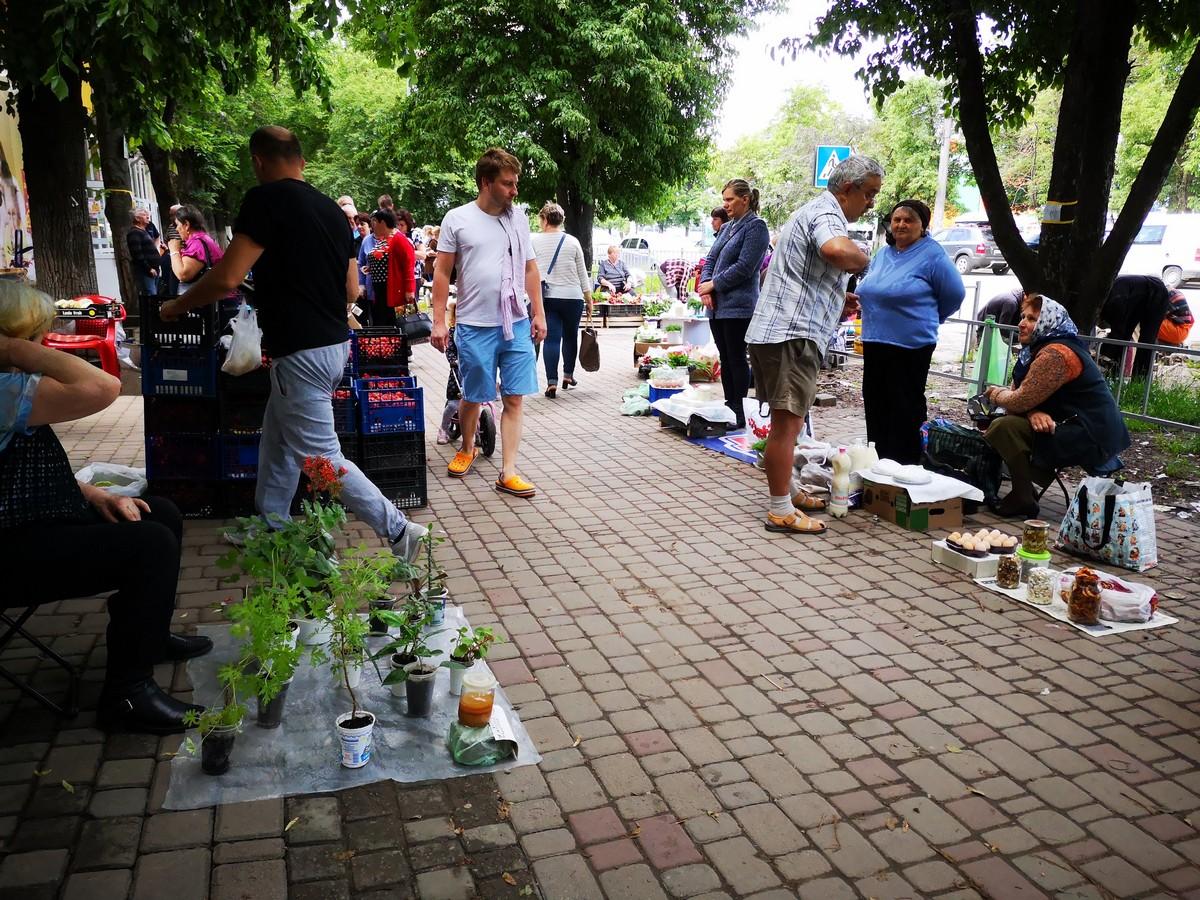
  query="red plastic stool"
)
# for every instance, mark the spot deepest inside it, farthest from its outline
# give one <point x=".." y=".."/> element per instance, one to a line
<point x="97" y="333"/>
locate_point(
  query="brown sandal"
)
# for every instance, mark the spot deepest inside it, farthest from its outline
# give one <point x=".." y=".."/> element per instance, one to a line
<point x="806" y="502"/>
<point x="796" y="523"/>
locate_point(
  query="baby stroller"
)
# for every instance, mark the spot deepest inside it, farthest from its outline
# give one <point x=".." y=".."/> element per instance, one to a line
<point x="485" y="435"/>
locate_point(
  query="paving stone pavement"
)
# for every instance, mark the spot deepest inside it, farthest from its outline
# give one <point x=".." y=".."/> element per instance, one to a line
<point x="722" y="712"/>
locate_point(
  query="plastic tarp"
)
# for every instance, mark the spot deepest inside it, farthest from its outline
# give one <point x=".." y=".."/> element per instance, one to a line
<point x="302" y="755"/>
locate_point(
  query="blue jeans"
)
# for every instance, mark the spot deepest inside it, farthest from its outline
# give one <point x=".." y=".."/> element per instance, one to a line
<point x="562" y="328"/>
<point x="299" y="423"/>
<point x="148" y="284"/>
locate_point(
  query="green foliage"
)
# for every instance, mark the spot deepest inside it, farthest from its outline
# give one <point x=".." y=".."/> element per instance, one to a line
<point x="906" y="142"/>
<point x="607" y="106"/>
<point x="1177" y="402"/>
<point x="359" y="577"/>
<point x="471" y="645"/>
<point x="1179" y="444"/>
<point x="1152" y="81"/>
<point x="778" y="160"/>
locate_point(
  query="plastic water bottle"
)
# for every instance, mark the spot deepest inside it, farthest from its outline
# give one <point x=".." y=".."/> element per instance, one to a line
<point x="839" y="504"/>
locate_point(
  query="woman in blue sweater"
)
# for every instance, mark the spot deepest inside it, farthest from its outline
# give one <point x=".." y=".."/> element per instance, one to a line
<point x="729" y="287"/>
<point x="909" y="290"/>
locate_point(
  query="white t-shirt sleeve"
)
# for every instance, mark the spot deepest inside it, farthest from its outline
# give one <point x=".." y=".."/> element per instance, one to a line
<point x="827" y="226"/>
<point x="448" y="239"/>
<point x="526" y="239"/>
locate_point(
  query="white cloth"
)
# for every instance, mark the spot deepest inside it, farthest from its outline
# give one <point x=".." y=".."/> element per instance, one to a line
<point x="491" y="252"/>
<point x="940" y="487"/>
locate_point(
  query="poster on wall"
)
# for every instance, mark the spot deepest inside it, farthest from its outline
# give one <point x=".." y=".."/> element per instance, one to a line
<point x="15" y="231"/>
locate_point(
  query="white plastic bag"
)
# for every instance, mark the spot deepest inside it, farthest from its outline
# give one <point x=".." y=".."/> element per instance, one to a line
<point x="1120" y="600"/>
<point x="245" y="350"/>
<point x="120" y="480"/>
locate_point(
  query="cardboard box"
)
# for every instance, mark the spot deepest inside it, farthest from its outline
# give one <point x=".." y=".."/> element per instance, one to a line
<point x="640" y="348"/>
<point x="892" y="504"/>
<point x="972" y="566"/>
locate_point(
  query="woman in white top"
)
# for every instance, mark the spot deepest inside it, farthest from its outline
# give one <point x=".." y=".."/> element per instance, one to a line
<point x="565" y="284"/>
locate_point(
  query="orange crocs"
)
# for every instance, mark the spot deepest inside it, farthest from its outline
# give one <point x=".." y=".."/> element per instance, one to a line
<point x="461" y="464"/>
<point x="516" y="485"/>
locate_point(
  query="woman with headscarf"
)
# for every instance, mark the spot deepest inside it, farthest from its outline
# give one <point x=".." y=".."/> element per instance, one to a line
<point x="1059" y="411"/>
<point x="910" y="288"/>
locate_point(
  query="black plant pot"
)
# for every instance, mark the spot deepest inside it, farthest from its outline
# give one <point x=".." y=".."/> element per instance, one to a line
<point x="271" y="714"/>
<point x="215" y="750"/>
<point x="379" y="628"/>
<point x="420" y="695"/>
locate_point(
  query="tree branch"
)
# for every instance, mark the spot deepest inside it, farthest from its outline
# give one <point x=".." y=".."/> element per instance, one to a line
<point x="1168" y="141"/>
<point x="973" y="116"/>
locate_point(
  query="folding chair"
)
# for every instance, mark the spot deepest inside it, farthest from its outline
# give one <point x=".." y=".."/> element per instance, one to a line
<point x="70" y="706"/>
<point x="1105" y="470"/>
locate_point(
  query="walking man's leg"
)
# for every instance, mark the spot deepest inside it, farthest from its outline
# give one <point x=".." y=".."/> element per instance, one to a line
<point x="518" y="377"/>
<point x="477" y="354"/>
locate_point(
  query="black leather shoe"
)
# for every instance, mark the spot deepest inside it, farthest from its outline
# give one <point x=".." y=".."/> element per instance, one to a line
<point x="143" y="708"/>
<point x="185" y="646"/>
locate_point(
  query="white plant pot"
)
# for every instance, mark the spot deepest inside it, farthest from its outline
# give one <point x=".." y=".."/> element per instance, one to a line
<point x="356" y="742"/>
<point x="293" y="633"/>
<point x="456" y="680"/>
<point x="315" y="631"/>
<point x="352" y="675"/>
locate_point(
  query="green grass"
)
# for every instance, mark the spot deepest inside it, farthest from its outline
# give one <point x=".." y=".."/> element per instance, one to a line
<point x="1181" y="469"/>
<point x="1178" y="444"/>
<point x="1176" y="403"/>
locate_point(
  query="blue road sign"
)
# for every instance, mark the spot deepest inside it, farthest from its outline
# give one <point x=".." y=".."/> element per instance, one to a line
<point x="828" y="157"/>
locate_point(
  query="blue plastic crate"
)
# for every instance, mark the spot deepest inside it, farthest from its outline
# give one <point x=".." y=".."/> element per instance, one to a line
<point x="659" y="394"/>
<point x="180" y="373"/>
<point x="239" y="456"/>
<point x="391" y="411"/>
<point x="345" y="408"/>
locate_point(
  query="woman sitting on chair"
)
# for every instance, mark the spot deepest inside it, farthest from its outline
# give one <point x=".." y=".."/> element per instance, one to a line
<point x="46" y="516"/>
<point x="1059" y="411"/>
<point x="613" y="275"/>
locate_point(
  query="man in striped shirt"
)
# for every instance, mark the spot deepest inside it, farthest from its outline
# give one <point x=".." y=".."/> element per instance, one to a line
<point x="802" y="301"/>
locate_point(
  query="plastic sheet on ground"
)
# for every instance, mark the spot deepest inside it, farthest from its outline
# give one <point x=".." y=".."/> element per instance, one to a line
<point x="302" y="756"/>
<point x="1057" y="609"/>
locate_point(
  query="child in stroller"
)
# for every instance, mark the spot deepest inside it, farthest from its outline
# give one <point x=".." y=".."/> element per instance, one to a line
<point x="450" y="430"/>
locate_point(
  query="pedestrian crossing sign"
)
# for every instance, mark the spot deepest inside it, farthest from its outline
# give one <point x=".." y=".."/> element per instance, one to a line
<point x="828" y="157"/>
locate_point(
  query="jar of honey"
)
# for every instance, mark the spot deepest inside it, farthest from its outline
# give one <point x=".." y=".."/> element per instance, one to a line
<point x="1083" y="604"/>
<point x="478" y="695"/>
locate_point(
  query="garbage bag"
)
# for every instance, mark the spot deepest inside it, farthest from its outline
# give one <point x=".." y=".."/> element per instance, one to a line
<point x="116" y="479"/>
<point x="635" y="406"/>
<point x="245" y="350"/>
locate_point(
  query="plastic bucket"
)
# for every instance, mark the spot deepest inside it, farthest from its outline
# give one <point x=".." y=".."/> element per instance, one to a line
<point x="356" y="742"/>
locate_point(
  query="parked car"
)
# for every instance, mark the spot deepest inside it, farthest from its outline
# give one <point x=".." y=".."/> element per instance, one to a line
<point x="645" y="250"/>
<point x="1168" y="246"/>
<point x="971" y="247"/>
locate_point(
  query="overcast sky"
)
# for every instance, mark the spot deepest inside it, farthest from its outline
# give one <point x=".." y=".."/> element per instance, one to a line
<point x="760" y="85"/>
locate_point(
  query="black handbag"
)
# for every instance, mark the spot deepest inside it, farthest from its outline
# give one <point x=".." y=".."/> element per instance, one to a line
<point x="416" y="327"/>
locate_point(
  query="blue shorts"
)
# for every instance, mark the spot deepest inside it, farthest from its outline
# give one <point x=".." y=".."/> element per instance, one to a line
<point x="482" y="352"/>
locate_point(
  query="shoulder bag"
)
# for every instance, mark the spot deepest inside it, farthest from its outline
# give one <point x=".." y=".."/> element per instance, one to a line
<point x="553" y="260"/>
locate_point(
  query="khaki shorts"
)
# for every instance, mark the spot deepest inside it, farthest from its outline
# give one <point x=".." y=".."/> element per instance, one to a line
<point x="785" y="375"/>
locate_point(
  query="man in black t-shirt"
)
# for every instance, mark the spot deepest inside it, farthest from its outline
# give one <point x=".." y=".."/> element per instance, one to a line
<point x="305" y="276"/>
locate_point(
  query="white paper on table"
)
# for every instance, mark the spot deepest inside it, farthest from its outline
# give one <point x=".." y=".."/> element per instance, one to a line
<point x="940" y="487"/>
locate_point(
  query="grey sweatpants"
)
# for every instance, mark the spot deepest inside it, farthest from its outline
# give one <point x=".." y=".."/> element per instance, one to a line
<point x="299" y="423"/>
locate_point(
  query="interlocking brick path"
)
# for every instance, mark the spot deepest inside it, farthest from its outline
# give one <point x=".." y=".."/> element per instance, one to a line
<point x="722" y="712"/>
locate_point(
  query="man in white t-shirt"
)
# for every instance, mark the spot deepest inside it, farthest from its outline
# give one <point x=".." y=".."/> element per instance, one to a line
<point x="488" y="242"/>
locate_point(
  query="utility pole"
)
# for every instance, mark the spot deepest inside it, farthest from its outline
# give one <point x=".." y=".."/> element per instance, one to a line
<point x="939" y="204"/>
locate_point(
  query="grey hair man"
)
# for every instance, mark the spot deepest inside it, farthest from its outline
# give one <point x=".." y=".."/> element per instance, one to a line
<point x="803" y="299"/>
<point x="144" y="256"/>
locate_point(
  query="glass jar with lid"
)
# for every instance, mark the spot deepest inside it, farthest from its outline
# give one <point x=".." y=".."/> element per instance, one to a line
<point x="1083" y="604"/>
<point x="478" y="697"/>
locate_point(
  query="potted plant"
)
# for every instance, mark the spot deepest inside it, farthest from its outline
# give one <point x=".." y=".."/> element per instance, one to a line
<point x="359" y="577"/>
<point x="219" y="725"/>
<point x="433" y="579"/>
<point x="470" y="646"/>
<point x="410" y="656"/>
<point x="674" y="333"/>
<point x="270" y="644"/>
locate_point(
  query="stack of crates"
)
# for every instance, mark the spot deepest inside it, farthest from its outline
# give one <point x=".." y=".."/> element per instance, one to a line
<point x="384" y="408"/>
<point x="182" y="413"/>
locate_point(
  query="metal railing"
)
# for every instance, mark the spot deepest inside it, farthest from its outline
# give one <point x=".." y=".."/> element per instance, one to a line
<point x="980" y="382"/>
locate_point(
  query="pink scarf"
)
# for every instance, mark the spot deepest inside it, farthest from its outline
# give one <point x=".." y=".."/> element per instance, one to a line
<point x="511" y="308"/>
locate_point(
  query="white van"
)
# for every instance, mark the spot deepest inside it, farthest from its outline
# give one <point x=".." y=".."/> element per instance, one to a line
<point x="1168" y="246"/>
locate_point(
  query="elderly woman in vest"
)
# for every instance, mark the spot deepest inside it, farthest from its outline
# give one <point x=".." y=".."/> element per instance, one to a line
<point x="729" y="287"/>
<point x="132" y="544"/>
<point x="1060" y="411"/>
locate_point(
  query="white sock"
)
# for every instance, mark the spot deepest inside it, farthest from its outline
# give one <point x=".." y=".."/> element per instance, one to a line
<point x="781" y="506"/>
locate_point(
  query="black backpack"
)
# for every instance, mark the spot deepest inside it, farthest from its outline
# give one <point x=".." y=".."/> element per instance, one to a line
<point x="963" y="453"/>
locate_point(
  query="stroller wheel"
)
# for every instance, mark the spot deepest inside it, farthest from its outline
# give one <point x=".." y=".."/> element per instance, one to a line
<point x="454" y="431"/>
<point x="487" y="431"/>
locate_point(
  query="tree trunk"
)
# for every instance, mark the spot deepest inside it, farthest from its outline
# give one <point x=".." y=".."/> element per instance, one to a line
<point x="159" y="163"/>
<point x="54" y="138"/>
<point x="975" y="119"/>
<point x="580" y="215"/>
<point x="118" y="193"/>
